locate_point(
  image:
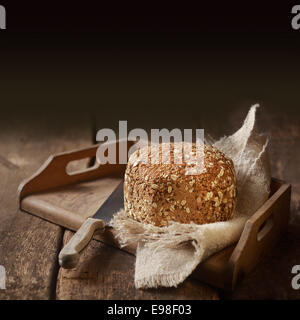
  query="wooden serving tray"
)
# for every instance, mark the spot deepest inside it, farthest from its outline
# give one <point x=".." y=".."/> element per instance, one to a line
<point x="68" y="199"/>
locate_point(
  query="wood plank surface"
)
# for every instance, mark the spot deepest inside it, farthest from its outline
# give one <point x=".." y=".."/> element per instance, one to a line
<point x="104" y="272"/>
<point x="29" y="245"/>
<point x="271" y="279"/>
<point x="72" y="205"/>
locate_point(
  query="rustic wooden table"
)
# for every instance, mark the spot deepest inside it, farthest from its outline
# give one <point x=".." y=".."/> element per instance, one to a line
<point x="29" y="246"/>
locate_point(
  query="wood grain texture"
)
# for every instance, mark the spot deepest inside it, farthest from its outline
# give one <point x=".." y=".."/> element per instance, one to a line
<point x="251" y="287"/>
<point x="29" y="245"/>
<point x="21" y="235"/>
<point x="69" y="206"/>
<point x="104" y="272"/>
<point x="70" y="253"/>
<point x="271" y="279"/>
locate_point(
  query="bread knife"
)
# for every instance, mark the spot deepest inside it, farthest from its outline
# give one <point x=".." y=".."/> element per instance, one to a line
<point x="70" y="254"/>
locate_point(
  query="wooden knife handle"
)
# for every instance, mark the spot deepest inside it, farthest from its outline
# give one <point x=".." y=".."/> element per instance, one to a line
<point x="70" y="254"/>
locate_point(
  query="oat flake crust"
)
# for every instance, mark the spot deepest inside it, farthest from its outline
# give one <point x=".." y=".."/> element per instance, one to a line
<point x="158" y="193"/>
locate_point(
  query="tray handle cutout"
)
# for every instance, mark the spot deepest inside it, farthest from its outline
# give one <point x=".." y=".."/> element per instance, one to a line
<point x="77" y="166"/>
<point x="54" y="174"/>
<point x="265" y="228"/>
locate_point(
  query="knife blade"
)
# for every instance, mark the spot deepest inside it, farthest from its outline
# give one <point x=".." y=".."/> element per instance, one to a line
<point x="112" y="204"/>
<point x="70" y="254"/>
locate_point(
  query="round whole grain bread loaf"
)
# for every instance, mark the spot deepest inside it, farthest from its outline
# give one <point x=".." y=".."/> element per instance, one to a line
<point x="157" y="192"/>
